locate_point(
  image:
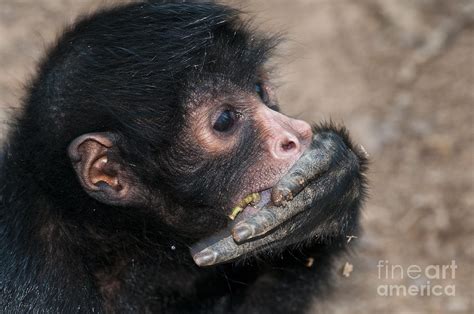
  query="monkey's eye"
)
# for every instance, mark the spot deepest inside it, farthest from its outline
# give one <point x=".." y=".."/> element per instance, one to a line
<point x="225" y="121"/>
<point x="260" y="90"/>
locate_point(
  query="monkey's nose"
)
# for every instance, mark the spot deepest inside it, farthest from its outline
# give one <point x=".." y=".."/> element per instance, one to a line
<point x="288" y="137"/>
<point x="287" y="146"/>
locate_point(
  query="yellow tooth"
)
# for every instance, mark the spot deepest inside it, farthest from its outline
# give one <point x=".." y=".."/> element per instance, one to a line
<point x="255" y="199"/>
<point x="235" y="212"/>
<point x="252" y="198"/>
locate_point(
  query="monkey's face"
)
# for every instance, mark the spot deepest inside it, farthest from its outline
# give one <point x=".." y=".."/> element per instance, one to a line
<point x="235" y="142"/>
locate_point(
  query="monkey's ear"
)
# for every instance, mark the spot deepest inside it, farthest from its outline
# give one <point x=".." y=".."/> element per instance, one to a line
<point x="95" y="159"/>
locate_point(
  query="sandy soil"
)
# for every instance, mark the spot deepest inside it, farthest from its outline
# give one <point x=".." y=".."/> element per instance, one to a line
<point x="400" y="75"/>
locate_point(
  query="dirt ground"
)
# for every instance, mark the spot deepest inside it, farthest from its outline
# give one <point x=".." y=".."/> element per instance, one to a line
<point x="400" y="75"/>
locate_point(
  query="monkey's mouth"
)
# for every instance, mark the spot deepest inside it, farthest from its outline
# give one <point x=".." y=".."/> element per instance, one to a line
<point x="248" y="211"/>
<point x="250" y="205"/>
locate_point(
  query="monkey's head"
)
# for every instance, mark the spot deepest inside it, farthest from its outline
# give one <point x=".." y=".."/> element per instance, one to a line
<point x="167" y="116"/>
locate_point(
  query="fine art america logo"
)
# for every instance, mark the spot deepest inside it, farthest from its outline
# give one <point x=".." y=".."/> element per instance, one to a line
<point x="430" y="280"/>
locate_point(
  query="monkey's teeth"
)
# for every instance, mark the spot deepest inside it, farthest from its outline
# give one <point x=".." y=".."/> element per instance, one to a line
<point x="251" y="204"/>
<point x="252" y="199"/>
<point x="237" y="210"/>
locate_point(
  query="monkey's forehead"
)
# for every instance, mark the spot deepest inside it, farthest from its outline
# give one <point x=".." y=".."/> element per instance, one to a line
<point x="169" y="42"/>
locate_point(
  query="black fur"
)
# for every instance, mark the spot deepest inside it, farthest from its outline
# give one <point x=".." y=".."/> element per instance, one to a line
<point x="130" y="70"/>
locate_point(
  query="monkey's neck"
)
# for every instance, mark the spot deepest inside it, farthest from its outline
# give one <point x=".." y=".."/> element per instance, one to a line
<point x="35" y="238"/>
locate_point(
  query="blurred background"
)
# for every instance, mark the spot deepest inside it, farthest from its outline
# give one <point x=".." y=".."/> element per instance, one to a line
<point x="400" y="75"/>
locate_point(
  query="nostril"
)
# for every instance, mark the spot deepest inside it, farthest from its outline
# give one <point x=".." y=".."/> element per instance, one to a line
<point x="288" y="145"/>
